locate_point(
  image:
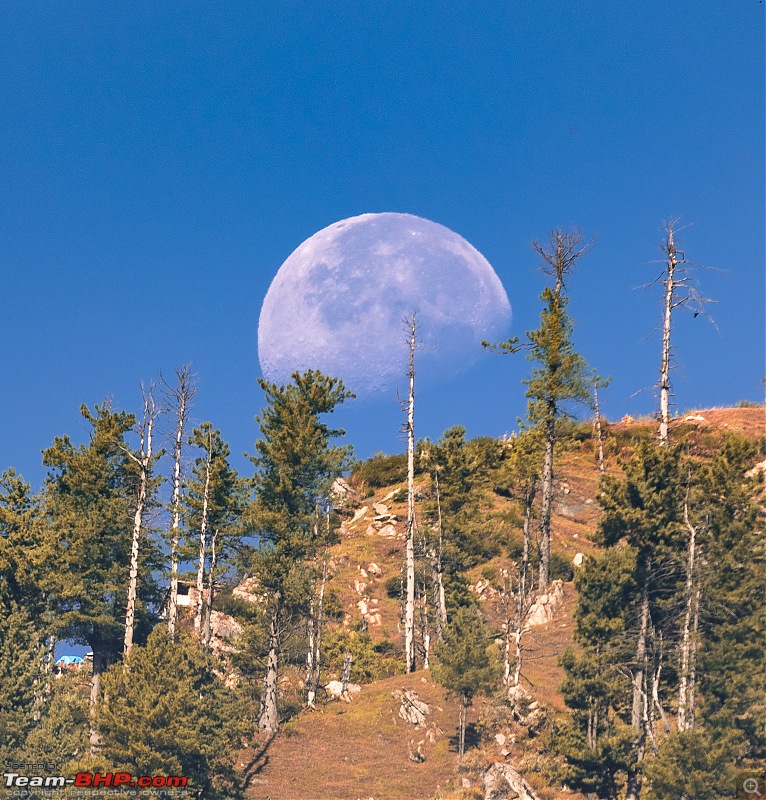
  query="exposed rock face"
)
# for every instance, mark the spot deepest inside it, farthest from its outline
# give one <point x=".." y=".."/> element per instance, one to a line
<point x="503" y="782"/>
<point x="249" y="590"/>
<point x="358" y="514"/>
<point x="544" y="608"/>
<point x="334" y="691"/>
<point x="381" y="509"/>
<point x="411" y="710"/>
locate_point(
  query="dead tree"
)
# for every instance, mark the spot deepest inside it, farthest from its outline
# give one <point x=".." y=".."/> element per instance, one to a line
<point x="679" y="291"/>
<point x="315" y="626"/>
<point x="599" y="383"/>
<point x="144" y="463"/>
<point x="203" y="532"/>
<point x="688" y="668"/>
<point x="409" y="611"/>
<point x="436" y="555"/>
<point x="178" y="399"/>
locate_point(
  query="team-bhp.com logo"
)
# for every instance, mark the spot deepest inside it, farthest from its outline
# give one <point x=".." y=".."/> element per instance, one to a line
<point x="94" y="780"/>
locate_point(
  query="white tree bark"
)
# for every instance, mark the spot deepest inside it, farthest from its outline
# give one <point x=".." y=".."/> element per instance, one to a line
<point x="437" y="571"/>
<point x="409" y="614"/>
<point x="547" y="499"/>
<point x="269" y="720"/>
<point x="208" y="631"/>
<point x="688" y="637"/>
<point x="203" y="538"/>
<point x="599" y="428"/>
<point x="144" y="461"/>
<point x="180" y="399"/>
<point x="315" y="640"/>
<point x="670" y="287"/>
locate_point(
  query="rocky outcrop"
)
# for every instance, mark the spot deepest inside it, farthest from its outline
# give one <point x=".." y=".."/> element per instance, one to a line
<point x="411" y="709"/>
<point x="544" y="607"/>
<point x="503" y="782"/>
<point x="335" y="691"/>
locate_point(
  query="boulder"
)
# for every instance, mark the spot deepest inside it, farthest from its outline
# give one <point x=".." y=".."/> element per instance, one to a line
<point x="373" y="568"/>
<point x="411" y="709"/>
<point x="503" y="782"/>
<point x="334" y="691"/>
<point x="380" y="508"/>
<point x="577" y="560"/>
<point x="359" y="513"/>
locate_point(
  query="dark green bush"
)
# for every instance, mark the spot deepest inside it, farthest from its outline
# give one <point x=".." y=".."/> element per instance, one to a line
<point x="379" y="471"/>
<point x="371" y="661"/>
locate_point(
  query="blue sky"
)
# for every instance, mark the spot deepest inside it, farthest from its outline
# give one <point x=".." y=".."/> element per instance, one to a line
<point x="160" y="161"/>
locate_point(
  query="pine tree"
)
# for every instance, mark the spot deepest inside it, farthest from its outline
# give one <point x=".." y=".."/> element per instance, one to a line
<point x="295" y="466"/>
<point x="23" y="616"/>
<point x="89" y="510"/>
<point x="560" y="375"/>
<point x="214" y="500"/>
<point x="167" y="713"/>
<point x="466" y="667"/>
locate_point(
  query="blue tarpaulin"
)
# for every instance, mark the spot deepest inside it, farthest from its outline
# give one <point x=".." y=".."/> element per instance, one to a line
<point x="66" y="661"/>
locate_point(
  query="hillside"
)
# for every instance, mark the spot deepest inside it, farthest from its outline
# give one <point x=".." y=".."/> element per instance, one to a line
<point x="363" y="749"/>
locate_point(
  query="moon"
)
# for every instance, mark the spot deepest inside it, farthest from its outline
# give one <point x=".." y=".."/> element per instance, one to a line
<point x="338" y="302"/>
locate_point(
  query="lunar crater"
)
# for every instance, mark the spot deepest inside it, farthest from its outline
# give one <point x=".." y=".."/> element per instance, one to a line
<point x="338" y="302"/>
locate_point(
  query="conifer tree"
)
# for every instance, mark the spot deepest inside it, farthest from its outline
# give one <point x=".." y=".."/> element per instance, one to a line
<point x="295" y="466"/>
<point x="559" y="376"/>
<point x="23" y="616"/>
<point x="214" y="500"/>
<point x="167" y="713"/>
<point x="89" y="509"/>
<point x="465" y="666"/>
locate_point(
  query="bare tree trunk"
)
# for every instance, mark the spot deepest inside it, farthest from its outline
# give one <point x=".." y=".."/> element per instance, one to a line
<point x="686" y="636"/>
<point x="315" y="646"/>
<point x="180" y="399"/>
<point x="522" y="596"/>
<point x="425" y="626"/>
<point x="691" y="689"/>
<point x="599" y="428"/>
<point x="203" y="538"/>
<point x="461" y="732"/>
<point x="640" y="710"/>
<point x="345" y="675"/>
<point x="639" y="676"/>
<point x="547" y="498"/>
<point x="269" y="719"/>
<point x="208" y="632"/>
<point x="437" y="573"/>
<point x="144" y="461"/>
<point x="409" y="614"/>
<point x="666" y="327"/>
<point x="656" y="702"/>
<point x="100" y="665"/>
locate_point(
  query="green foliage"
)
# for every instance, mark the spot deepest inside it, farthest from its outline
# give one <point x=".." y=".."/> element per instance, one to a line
<point x="226" y="496"/>
<point x="468" y="662"/>
<point x="89" y="506"/>
<point x="295" y="468"/>
<point x="379" y="471"/>
<point x="166" y="712"/>
<point x="733" y="654"/>
<point x="694" y="764"/>
<point x="22" y="614"/>
<point x="394" y="588"/>
<point x="61" y="735"/>
<point x="372" y="661"/>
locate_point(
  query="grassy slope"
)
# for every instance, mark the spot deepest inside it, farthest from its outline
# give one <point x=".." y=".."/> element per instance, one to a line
<point x="360" y="750"/>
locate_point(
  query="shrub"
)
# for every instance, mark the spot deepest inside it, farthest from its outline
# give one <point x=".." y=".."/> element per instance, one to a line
<point x="371" y="661"/>
<point x="380" y="470"/>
